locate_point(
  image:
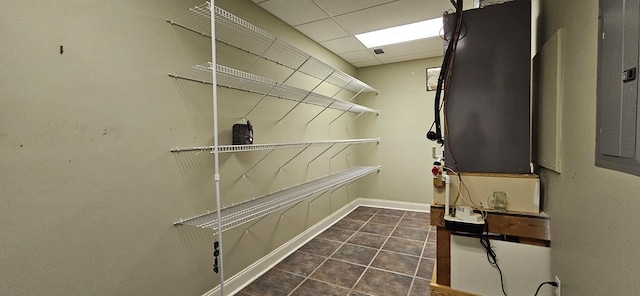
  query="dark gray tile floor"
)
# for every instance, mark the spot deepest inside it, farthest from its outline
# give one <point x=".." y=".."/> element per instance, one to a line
<point x="370" y="252"/>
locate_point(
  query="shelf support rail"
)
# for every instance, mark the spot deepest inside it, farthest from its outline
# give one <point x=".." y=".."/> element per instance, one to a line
<point x="261" y="55"/>
<point x="273" y="87"/>
<point x="334" y="189"/>
<point x="328" y="106"/>
<point x="298" y="154"/>
<point x="244" y="175"/>
<point x="354" y="150"/>
<point x="312" y="197"/>
<point x="345" y="148"/>
<point x="257" y="220"/>
<point x="354" y="119"/>
<point x="343" y="113"/>
<point x="308" y="94"/>
<point x="342" y="184"/>
<point x="325" y="150"/>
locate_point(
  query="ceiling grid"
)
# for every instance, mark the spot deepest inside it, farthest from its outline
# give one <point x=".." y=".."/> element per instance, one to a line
<point x="333" y="24"/>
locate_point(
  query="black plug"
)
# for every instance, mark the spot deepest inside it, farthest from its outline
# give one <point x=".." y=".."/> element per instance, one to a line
<point x="555" y="284"/>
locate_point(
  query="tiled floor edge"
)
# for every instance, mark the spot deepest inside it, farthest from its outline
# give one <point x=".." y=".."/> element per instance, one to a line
<point x="240" y="280"/>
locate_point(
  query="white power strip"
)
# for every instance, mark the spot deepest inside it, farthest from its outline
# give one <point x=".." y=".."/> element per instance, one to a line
<point x="465" y="214"/>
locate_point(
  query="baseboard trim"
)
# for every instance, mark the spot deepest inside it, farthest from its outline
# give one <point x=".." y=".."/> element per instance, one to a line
<point x="237" y="282"/>
<point x="391" y="204"/>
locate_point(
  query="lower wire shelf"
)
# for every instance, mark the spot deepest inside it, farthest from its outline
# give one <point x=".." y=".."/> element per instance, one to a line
<point x="236" y="215"/>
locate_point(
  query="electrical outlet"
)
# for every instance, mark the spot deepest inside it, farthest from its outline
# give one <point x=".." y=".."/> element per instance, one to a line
<point x="558" y="288"/>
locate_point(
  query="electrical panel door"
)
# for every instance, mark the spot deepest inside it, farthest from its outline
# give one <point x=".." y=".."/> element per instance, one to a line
<point x="617" y="94"/>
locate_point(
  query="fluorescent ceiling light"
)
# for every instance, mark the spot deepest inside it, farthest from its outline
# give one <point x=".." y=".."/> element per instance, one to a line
<point x="399" y="34"/>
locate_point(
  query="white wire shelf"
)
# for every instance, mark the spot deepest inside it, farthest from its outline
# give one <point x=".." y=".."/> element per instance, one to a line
<point x="197" y="19"/>
<point x="238" y="33"/>
<point x="240" y="80"/>
<point x="273" y="146"/>
<point x="236" y="215"/>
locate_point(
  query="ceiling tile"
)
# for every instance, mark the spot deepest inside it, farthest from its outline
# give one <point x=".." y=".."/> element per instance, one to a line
<point x="418" y="49"/>
<point x="416" y="46"/>
<point x="294" y="12"/>
<point x="409" y="57"/>
<point x="322" y="30"/>
<point x="358" y="56"/>
<point x="340" y="7"/>
<point x="343" y="45"/>
<point x="367" y="63"/>
<point x="311" y="17"/>
<point x="392" y="14"/>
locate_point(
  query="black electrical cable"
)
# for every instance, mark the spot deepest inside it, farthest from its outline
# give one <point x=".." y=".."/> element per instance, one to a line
<point x="491" y="255"/>
<point x="451" y="49"/>
<point x="545" y="283"/>
<point x="445" y="70"/>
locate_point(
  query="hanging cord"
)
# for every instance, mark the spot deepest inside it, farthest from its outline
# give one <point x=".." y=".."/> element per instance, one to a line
<point x="491" y="255"/>
<point x="445" y="73"/>
<point x="545" y="283"/>
<point x="464" y="195"/>
<point x="453" y="45"/>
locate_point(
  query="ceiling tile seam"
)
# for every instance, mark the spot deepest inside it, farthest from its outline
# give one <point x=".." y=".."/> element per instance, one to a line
<point x="338" y="38"/>
<point x="357" y="10"/>
<point x="332" y="17"/>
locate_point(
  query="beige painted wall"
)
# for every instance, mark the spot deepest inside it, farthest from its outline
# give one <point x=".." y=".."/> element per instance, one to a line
<point x="594" y="211"/>
<point x="89" y="191"/>
<point x="407" y="115"/>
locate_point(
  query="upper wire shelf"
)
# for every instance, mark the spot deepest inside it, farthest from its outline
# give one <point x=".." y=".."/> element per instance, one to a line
<point x="236" y="215"/>
<point x="240" y="80"/>
<point x="236" y="32"/>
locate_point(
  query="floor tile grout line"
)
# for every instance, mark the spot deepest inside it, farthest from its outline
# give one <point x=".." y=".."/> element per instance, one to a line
<point x="375" y="211"/>
<point x="367" y="247"/>
<point x="308" y="278"/>
<point x="376" y="255"/>
<point x="336" y="250"/>
<point x="415" y="273"/>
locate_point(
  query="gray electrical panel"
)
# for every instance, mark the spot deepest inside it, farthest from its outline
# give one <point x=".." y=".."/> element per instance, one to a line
<point x="617" y="94"/>
<point x="488" y="106"/>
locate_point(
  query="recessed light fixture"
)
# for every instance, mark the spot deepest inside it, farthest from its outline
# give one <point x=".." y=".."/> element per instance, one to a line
<point x="399" y="34"/>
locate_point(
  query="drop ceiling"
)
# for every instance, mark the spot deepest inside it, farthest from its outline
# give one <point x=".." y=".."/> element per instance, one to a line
<point x="333" y="24"/>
